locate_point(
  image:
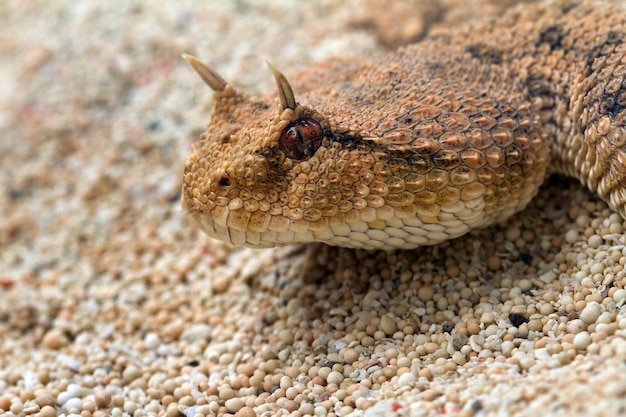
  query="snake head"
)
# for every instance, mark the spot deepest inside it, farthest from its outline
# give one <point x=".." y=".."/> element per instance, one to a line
<point x="363" y="161"/>
<point x="241" y="180"/>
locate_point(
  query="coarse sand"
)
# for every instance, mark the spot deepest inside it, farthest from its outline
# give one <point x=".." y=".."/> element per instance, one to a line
<point x="113" y="303"/>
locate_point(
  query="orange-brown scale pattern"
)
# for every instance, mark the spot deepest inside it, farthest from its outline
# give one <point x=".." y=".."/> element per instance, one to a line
<point x="419" y="146"/>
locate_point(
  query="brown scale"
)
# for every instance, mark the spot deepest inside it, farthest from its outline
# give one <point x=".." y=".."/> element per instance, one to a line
<point x="457" y="130"/>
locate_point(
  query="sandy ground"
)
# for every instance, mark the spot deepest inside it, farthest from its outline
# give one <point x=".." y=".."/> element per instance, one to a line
<point x="113" y="303"/>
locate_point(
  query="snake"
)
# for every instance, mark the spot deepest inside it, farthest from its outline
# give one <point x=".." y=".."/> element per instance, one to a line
<point x="421" y="145"/>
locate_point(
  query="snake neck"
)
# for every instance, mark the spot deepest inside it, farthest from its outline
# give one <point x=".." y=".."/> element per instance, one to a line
<point x="571" y="63"/>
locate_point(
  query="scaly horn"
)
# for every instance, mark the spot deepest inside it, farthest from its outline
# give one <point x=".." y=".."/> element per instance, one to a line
<point x="210" y="77"/>
<point x="287" y="99"/>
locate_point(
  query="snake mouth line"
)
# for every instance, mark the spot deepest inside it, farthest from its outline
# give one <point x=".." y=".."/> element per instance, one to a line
<point x="407" y="233"/>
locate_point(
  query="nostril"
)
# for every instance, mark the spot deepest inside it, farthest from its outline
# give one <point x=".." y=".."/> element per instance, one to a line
<point x="224" y="181"/>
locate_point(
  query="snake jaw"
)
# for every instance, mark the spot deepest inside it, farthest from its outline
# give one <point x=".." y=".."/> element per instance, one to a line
<point x="210" y="77"/>
<point x="285" y="92"/>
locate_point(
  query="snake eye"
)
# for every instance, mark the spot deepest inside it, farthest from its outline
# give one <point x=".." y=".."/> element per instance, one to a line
<point x="300" y="139"/>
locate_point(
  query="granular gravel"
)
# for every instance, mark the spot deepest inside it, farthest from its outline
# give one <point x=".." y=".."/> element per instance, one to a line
<point x="113" y="303"/>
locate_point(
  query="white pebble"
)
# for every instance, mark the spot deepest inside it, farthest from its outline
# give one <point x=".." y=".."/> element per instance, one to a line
<point x="487" y="318"/>
<point x="387" y="325"/>
<point x="65" y="396"/>
<point x="596" y="268"/>
<point x="507" y="347"/>
<point x="197" y="332"/>
<point x="595" y="241"/>
<point x="234" y="404"/>
<point x="130" y="407"/>
<point x="591" y="312"/>
<point x="73" y="405"/>
<point x="582" y="340"/>
<point x="571" y="236"/>
<point x="587" y="282"/>
<point x="525" y="285"/>
<point x="548" y="276"/>
<point x="152" y="340"/>
<point x="582" y="220"/>
<point x="334" y="378"/>
<point x="320" y="411"/>
<point x="604" y="318"/>
<point x="459" y="358"/>
<point x="542" y="354"/>
<point x="74" y="390"/>
<point x="406" y="380"/>
<point x="526" y="363"/>
<point x="619" y="295"/>
<point x="576" y="326"/>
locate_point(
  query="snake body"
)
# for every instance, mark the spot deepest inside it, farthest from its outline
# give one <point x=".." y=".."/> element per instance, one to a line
<point x="422" y="145"/>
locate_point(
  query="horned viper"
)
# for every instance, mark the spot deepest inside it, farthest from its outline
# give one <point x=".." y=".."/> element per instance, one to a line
<point x="422" y="145"/>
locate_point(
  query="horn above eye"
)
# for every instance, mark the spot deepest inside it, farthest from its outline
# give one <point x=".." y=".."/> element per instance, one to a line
<point x="210" y="77"/>
<point x="285" y="93"/>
